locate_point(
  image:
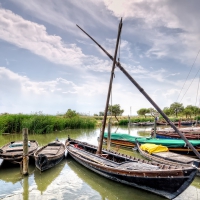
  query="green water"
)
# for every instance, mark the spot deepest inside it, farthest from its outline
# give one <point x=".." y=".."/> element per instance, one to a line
<point x="70" y="180"/>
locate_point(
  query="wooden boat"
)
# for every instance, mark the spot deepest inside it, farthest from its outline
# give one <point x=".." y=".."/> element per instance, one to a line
<point x="187" y="123"/>
<point x="189" y="136"/>
<point x="143" y="123"/>
<point x="170" y="158"/>
<point x="174" y="145"/>
<point x="192" y="133"/>
<point x="161" y="123"/>
<point x="49" y="155"/>
<point x="13" y="151"/>
<point x="165" y="180"/>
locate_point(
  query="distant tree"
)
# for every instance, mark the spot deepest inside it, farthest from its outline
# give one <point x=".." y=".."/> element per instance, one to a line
<point x="167" y="111"/>
<point x="143" y="111"/>
<point x="188" y="112"/>
<point x="101" y="113"/>
<point x="115" y="110"/>
<point x="176" y="108"/>
<point x="71" y="113"/>
<point x="153" y="112"/>
<point x="194" y="110"/>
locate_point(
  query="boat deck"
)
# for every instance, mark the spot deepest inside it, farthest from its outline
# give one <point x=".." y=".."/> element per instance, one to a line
<point x="51" y="150"/>
<point x="127" y="165"/>
<point x="11" y="150"/>
<point x="175" y="157"/>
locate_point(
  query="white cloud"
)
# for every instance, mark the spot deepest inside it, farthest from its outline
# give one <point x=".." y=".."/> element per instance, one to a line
<point x="162" y="25"/>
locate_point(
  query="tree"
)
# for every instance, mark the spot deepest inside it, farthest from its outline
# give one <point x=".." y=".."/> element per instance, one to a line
<point x="187" y="111"/>
<point x="143" y="111"/>
<point x="176" y="108"/>
<point x="115" y="110"/>
<point x="101" y="113"/>
<point x="153" y="112"/>
<point x="167" y="110"/>
<point x="71" y="113"/>
<point x="194" y="110"/>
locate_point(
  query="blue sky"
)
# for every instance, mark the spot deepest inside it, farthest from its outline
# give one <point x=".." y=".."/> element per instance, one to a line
<point x="48" y="65"/>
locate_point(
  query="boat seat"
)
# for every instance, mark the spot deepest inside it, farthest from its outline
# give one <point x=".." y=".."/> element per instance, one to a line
<point x="104" y="155"/>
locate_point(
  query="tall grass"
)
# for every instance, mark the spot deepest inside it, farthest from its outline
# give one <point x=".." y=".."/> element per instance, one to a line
<point x="39" y="123"/>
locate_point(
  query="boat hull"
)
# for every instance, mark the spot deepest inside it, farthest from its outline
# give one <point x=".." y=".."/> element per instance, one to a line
<point x="167" y="184"/>
<point x="14" y="155"/>
<point x="49" y="155"/>
<point x="49" y="164"/>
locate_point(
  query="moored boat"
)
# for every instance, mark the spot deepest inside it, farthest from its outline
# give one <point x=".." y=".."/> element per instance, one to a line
<point x="49" y="155"/>
<point x="174" y="145"/>
<point x="192" y="133"/>
<point x="164" y="180"/>
<point x="161" y="154"/>
<point x="13" y="151"/>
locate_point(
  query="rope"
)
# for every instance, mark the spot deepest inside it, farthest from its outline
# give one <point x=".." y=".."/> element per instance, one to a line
<point x="197" y="92"/>
<point x="187" y="77"/>
<point x="190" y="85"/>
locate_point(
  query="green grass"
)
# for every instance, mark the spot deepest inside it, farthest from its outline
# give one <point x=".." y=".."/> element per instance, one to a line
<point x="39" y="123"/>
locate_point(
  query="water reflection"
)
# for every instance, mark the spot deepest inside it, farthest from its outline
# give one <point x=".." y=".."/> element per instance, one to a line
<point x="108" y="189"/>
<point x="44" y="179"/>
<point x="69" y="180"/>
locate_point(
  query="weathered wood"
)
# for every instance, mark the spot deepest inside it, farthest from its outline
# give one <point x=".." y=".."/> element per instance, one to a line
<point x="49" y="155"/>
<point x="14" y="154"/>
<point x="170" y="158"/>
<point x="165" y="180"/>
<point x="25" y="151"/>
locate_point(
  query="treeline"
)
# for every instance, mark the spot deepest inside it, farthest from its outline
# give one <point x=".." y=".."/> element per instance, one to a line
<point x="176" y="109"/>
<point x="40" y="123"/>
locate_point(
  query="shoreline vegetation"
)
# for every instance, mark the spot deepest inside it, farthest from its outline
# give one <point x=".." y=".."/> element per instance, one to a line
<point x="39" y="123"/>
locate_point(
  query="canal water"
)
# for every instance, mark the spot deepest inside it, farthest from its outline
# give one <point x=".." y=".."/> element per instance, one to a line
<point x="70" y="180"/>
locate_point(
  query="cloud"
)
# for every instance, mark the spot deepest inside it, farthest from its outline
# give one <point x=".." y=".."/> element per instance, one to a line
<point x="48" y="96"/>
<point x="162" y="26"/>
<point x="34" y="37"/>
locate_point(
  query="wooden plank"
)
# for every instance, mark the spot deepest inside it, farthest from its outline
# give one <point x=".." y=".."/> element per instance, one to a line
<point x="44" y="151"/>
<point x="175" y="157"/>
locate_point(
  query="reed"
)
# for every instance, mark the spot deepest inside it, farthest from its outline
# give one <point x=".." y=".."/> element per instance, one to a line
<point x="40" y="123"/>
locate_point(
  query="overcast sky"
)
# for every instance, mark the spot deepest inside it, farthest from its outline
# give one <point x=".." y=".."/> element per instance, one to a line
<point x="47" y="64"/>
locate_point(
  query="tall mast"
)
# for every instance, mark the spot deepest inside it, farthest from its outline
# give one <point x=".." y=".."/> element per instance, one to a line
<point x="147" y="97"/>
<point x="109" y="91"/>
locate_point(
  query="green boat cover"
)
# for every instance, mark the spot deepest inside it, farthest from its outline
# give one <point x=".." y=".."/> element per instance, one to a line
<point x="142" y="140"/>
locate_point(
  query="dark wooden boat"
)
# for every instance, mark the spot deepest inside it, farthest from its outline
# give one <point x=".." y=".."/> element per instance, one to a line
<point x="49" y="155"/>
<point x="165" y="180"/>
<point x="161" y="123"/>
<point x="187" y="123"/>
<point x="170" y="158"/>
<point x="13" y="151"/>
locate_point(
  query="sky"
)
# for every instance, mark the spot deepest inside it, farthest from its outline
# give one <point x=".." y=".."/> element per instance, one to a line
<point x="48" y="65"/>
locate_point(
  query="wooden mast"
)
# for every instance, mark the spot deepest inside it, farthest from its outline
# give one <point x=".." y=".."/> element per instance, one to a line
<point x="147" y="97"/>
<point x="109" y="91"/>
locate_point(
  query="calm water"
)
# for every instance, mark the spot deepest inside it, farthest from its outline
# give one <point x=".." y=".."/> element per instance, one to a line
<point x="70" y="180"/>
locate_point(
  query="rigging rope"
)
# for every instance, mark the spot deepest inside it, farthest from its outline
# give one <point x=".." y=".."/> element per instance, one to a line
<point x="187" y="78"/>
<point x="197" y="92"/>
<point x="190" y="85"/>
